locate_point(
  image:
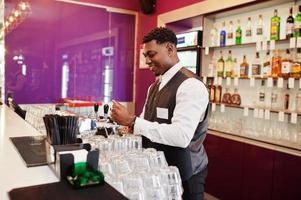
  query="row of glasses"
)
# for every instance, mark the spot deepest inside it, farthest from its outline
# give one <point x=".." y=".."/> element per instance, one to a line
<point x="135" y="172"/>
<point x="36" y="112"/>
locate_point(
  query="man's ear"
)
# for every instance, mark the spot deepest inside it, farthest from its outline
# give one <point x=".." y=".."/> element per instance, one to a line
<point x="171" y="48"/>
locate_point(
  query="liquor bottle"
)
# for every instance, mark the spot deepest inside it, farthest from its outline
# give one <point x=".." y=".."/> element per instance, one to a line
<point x="236" y="68"/>
<point x="211" y="89"/>
<point x="298" y="23"/>
<point x="214" y="37"/>
<point x="259" y="29"/>
<point x="296" y="67"/>
<point x="220" y="66"/>
<point x="244" y="68"/>
<point x="267" y="68"/>
<point x="229" y="65"/>
<point x="275" y="26"/>
<point x="290" y="25"/>
<point x="256" y="66"/>
<point x="248" y="36"/>
<point x="230" y="34"/>
<point x="238" y="33"/>
<point x="286" y="65"/>
<point x="298" y="101"/>
<point x="286" y="101"/>
<point x="261" y="96"/>
<point x="218" y="94"/>
<point x="235" y="98"/>
<point x="276" y="64"/>
<point x="223" y="35"/>
<point x="227" y="97"/>
<point x="211" y="69"/>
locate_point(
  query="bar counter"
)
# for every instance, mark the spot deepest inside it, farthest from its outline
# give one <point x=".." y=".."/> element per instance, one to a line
<point x="13" y="171"/>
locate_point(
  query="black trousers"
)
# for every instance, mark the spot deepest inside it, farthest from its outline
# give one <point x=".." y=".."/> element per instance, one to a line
<point x="195" y="186"/>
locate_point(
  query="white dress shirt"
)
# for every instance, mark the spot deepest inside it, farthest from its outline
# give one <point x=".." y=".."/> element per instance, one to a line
<point x="191" y="103"/>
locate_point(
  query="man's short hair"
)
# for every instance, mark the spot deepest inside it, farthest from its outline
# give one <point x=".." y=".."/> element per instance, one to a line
<point x="161" y="35"/>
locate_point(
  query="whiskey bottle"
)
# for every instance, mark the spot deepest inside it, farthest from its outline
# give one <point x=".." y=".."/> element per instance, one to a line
<point x="286" y="65"/>
<point x="256" y="66"/>
<point x="296" y="67"/>
<point x="275" y="26"/>
<point x="244" y="68"/>
<point x="290" y="25"/>
<point x="218" y="94"/>
<point x="276" y="64"/>
<point x="267" y="68"/>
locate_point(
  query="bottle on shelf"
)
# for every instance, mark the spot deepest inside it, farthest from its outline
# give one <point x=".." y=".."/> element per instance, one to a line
<point x="289" y="29"/>
<point x="223" y="35"/>
<point x="259" y="29"/>
<point x="267" y="68"/>
<point x="261" y="96"/>
<point x="256" y="66"/>
<point x="248" y="36"/>
<point x="286" y="101"/>
<point x="230" y="34"/>
<point x="212" y="68"/>
<point x="235" y="98"/>
<point x="218" y="94"/>
<point x="214" y="37"/>
<point x="274" y="100"/>
<point x="298" y="23"/>
<point x="296" y="67"/>
<point x="220" y="66"/>
<point x="276" y="64"/>
<point x="227" y="97"/>
<point x="235" y="69"/>
<point x="211" y="89"/>
<point x="244" y="68"/>
<point x="298" y="101"/>
<point x="286" y="65"/>
<point x="229" y="65"/>
<point x="238" y="33"/>
<point x="275" y="26"/>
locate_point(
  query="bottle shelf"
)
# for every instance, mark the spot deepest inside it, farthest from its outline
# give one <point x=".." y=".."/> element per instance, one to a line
<point x="262" y="108"/>
<point x="282" y="41"/>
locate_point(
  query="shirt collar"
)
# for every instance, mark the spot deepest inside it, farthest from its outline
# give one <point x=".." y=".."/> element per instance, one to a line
<point x="169" y="74"/>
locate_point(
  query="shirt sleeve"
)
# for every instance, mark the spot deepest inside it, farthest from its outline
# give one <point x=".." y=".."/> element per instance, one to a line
<point x="191" y="103"/>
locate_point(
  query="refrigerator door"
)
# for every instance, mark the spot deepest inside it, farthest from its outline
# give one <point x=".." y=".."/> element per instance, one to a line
<point x="189" y="59"/>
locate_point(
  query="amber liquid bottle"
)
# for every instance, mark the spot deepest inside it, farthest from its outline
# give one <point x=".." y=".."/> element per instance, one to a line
<point x="286" y="65"/>
<point x="276" y="64"/>
<point x="244" y="68"/>
<point x="218" y="94"/>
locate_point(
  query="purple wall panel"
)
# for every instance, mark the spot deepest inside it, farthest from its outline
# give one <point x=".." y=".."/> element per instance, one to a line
<point x="75" y="35"/>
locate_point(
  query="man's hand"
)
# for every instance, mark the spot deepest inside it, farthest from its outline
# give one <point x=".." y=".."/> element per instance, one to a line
<point x="120" y="114"/>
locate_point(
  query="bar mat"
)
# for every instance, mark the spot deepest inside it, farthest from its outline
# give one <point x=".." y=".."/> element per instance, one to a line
<point x="62" y="190"/>
<point x="32" y="149"/>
